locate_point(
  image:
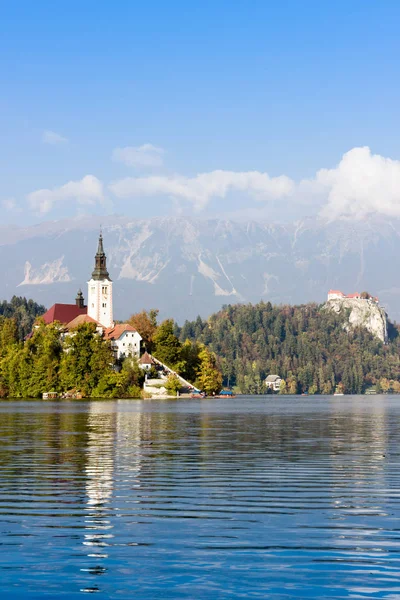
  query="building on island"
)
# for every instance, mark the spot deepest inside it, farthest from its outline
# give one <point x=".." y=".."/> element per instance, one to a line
<point x="146" y="362"/>
<point x="125" y="340"/>
<point x="273" y="382"/>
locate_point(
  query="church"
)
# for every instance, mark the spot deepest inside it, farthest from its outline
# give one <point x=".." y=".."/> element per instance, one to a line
<point x="125" y="340"/>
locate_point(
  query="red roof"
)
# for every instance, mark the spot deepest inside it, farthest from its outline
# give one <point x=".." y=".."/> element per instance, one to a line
<point x="356" y="295"/>
<point x="146" y="359"/>
<point x="63" y="313"/>
<point x="336" y="292"/>
<point x="114" y="333"/>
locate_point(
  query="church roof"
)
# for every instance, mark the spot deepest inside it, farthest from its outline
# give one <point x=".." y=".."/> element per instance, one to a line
<point x="64" y="313"/>
<point x="114" y="333"/>
<point x="79" y="320"/>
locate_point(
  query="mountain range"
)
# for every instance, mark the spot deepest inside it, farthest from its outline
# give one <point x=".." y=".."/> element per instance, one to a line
<point x="187" y="266"/>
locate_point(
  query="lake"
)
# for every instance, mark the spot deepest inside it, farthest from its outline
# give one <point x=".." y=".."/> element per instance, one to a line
<point x="253" y="497"/>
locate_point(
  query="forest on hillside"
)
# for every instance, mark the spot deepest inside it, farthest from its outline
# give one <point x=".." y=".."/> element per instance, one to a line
<point x="305" y="345"/>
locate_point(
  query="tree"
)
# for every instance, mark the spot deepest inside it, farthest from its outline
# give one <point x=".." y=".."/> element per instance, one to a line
<point x="8" y="333"/>
<point x="190" y="356"/>
<point x="45" y="351"/>
<point x="384" y="385"/>
<point x="282" y="387"/>
<point x="86" y="361"/>
<point x="145" y="323"/>
<point x="396" y="387"/>
<point x="167" y="347"/>
<point x="173" y="385"/>
<point x="209" y="377"/>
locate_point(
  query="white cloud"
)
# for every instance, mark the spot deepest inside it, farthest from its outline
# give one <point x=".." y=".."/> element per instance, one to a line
<point x="51" y="137"/>
<point x="361" y="184"/>
<point x="89" y="190"/>
<point x="201" y="189"/>
<point x="144" y="156"/>
<point x="10" y="204"/>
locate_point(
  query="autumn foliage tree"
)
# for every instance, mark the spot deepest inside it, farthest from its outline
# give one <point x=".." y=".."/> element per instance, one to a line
<point x="209" y="378"/>
<point x="145" y="323"/>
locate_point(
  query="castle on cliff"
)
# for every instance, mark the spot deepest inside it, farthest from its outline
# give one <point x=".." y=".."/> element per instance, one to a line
<point x="338" y="295"/>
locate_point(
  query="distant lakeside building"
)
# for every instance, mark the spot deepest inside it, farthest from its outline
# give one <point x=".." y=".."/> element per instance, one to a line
<point x="273" y="382"/>
<point x="125" y="340"/>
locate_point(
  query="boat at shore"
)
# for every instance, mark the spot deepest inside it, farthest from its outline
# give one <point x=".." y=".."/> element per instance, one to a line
<point x="222" y="394"/>
<point x="226" y="394"/>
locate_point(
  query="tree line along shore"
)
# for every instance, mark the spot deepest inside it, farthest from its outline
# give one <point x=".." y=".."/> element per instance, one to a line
<point x="311" y="349"/>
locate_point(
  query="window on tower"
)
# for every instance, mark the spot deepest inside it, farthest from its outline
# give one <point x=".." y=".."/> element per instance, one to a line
<point x="104" y="290"/>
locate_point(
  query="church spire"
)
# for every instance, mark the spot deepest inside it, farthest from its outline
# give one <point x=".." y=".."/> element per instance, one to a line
<point x="100" y="266"/>
<point x="100" y="249"/>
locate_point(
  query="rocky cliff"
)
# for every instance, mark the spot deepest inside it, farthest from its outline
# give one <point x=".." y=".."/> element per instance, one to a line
<point x="362" y="313"/>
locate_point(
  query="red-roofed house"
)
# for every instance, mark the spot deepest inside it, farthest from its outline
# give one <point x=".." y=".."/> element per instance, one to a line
<point x="125" y="340"/>
<point x="146" y="361"/>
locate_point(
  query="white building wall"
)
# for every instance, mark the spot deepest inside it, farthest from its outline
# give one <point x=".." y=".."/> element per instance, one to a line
<point x="335" y="296"/>
<point x="128" y="344"/>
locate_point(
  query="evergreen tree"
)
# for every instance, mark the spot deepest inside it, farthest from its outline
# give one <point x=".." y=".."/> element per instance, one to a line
<point x="167" y="347"/>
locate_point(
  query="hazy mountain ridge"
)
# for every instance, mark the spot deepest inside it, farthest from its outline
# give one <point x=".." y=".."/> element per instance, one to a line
<point x="187" y="267"/>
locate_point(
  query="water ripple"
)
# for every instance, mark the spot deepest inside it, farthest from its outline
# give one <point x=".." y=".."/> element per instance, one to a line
<point x="246" y="498"/>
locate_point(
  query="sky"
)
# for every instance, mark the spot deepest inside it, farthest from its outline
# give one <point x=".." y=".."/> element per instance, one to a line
<point x="259" y="109"/>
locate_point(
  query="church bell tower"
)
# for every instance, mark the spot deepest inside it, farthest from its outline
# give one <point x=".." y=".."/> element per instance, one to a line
<point x="100" y="306"/>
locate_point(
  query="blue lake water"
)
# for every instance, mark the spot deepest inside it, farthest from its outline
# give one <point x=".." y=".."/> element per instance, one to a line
<point x="238" y="498"/>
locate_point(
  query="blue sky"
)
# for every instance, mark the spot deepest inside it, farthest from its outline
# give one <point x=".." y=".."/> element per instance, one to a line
<point x="222" y="89"/>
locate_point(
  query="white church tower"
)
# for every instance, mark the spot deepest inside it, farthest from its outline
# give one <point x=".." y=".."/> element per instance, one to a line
<point x="100" y="306"/>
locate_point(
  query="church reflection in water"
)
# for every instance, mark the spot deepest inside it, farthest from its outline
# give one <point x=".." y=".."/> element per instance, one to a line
<point x="99" y="473"/>
<point x="113" y="458"/>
